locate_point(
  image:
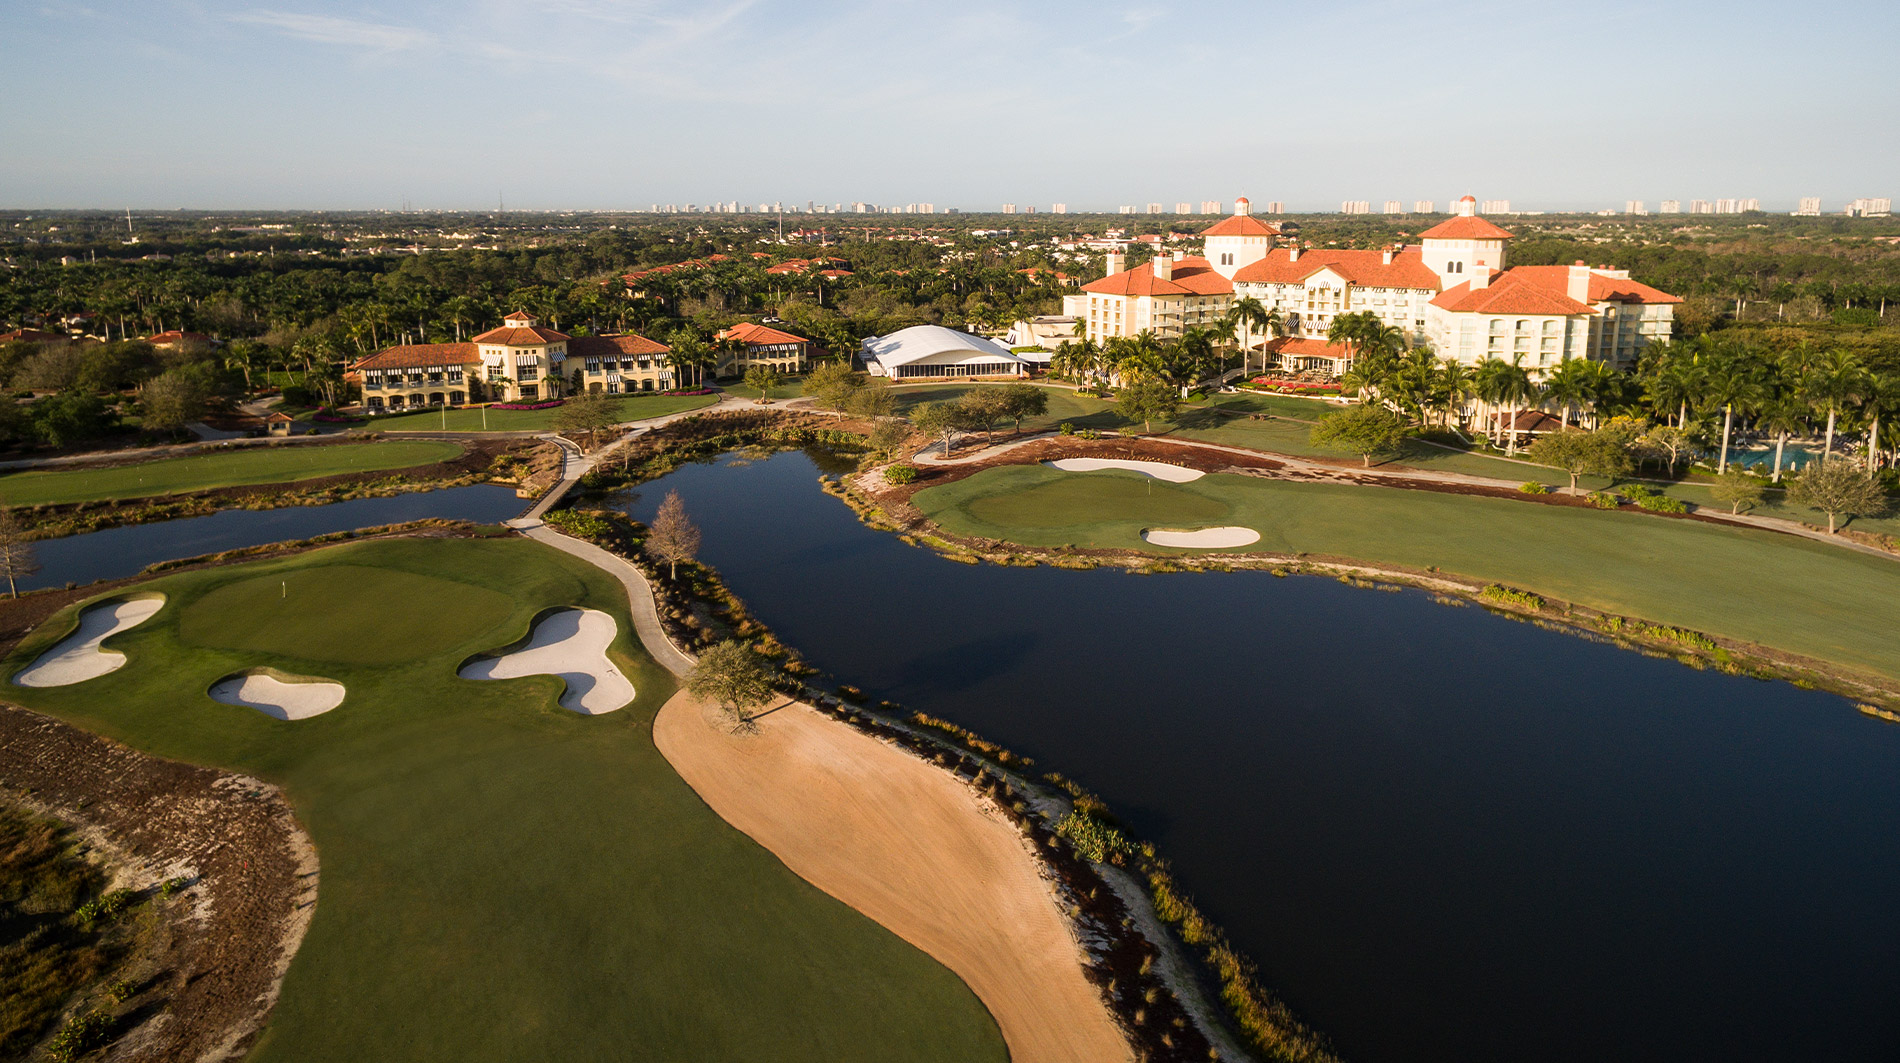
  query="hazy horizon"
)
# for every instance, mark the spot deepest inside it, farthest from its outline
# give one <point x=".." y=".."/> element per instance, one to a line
<point x="605" y="105"/>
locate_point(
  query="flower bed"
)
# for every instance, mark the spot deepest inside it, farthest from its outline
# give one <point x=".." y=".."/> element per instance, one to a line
<point x="548" y="405"/>
<point x="328" y="416"/>
<point x="1298" y="387"/>
<point x="695" y="391"/>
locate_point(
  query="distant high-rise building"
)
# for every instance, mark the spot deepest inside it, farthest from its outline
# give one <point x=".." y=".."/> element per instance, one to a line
<point x="1274" y="206"/>
<point x="1870" y="208"/>
<point x="926" y="208"/>
<point x="1184" y="208"/>
<point x="1669" y="206"/>
<point x="1060" y="208"/>
<point x="1701" y="206"/>
<point x="1154" y="208"/>
<point x="1393" y="206"/>
<point x="1424" y="206"/>
<point x="1634" y="206"/>
<point x="1210" y="206"/>
<point x="1496" y="206"/>
<point x="1125" y="209"/>
<point x="1355" y="206"/>
<point x="1728" y="206"/>
<point x="1810" y="207"/>
<point x="1009" y="208"/>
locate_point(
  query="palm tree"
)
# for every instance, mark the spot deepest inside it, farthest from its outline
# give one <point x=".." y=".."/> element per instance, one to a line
<point x="1455" y="388"/>
<point x="1833" y="382"/>
<point x="1506" y="385"/>
<point x="1249" y="316"/>
<point x="1784" y="415"/>
<point x="1735" y="380"/>
<point x="1883" y="397"/>
<point x="1570" y="384"/>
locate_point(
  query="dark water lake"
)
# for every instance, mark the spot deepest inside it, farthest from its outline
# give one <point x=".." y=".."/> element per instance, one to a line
<point x="1443" y="835"/>
<point x="118" y="552"/>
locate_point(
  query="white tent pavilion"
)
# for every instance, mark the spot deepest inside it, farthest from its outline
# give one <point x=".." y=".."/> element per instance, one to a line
<point x="924" y="351"/>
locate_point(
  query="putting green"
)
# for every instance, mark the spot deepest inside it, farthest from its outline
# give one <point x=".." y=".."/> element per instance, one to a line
<point x="344" y="613"/>
<point x="1791" y="593"/>
<point x="503" y="879"/>
<point x="219" y="468"/>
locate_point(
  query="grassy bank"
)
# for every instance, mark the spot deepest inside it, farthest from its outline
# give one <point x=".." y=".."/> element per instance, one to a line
<point x="221" y="468"/>
<point x="632" y="408"/>
<point x="503" y="879"/>
<point x="1775" y="590"/>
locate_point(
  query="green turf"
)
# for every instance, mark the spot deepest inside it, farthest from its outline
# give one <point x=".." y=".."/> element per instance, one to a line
<point x="632" y="408"/>
<point x="1778" y="590"/>
<point x="788" y="388"/>
<point x="218" y="468"/>
<point x="1064" y="405"/>
<point x="503" y="880"/>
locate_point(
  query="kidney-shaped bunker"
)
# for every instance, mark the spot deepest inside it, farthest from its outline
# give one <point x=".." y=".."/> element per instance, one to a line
<point x="78" y="657"/>
<point x="572" y="644"/>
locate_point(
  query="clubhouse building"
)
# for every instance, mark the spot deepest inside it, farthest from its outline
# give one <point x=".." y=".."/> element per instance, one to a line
<point x="1453" y="290"/>
<point x="522" y="361"/>
<point x="748" y="344"/>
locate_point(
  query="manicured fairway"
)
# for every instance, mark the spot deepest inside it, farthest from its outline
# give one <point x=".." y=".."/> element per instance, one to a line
<point x="1064" y="405"/>
<point x="1795" y="594"/>
<point x="503" y="879"/>
<point x="219" y="468"/>
<point x="632" y="408"/>
<point x="788" y="388"/>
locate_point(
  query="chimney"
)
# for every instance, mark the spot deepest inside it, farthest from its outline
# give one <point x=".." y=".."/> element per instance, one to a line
<point x="1386" y="256"/>
<point x="1480" y="280"/>
<point x="1578" y="286"/>
<point x="1179" y="254"/>
<point x="1114" y="262"/>
<point x="1293" y="252"/>
<point x="1164" y="268"/>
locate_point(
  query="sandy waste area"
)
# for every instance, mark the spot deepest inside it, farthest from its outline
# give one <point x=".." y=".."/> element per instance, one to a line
<point x="1160" y="470"/>
<point x="572" y="644"/>
<point x="1202" y="538"/>
<point x="78" y="657"/>
<point x="297" y="699"/>
<point x="911" y="847"/>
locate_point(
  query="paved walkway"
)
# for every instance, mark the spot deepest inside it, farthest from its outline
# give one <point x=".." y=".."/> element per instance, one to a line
<point x="640" y="603"/>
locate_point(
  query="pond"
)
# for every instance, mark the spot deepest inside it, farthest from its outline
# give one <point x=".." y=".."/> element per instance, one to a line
<point x="119" y="552"/>
<point x="1443" y="834"/>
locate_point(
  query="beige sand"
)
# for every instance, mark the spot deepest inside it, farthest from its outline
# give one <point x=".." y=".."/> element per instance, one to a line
<point x="572" y="644"/>
<point x="911" y="847"/>
<point x="289" y="698"/>
<point x="1203" y="538"/>
<point x="78" y="657"/>
<point x="1160" y="470"/>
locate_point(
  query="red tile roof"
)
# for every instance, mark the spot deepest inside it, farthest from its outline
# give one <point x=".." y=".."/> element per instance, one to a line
<point x="521" y="337"/>
<point x="1465" y="228"/>
<point x="759" y="335"/>
<point x="418" y="356"/>
<point x="834" y="274"/>
<point x="1367" y="269"/>
<point x="613" y="346"/>
<point x="1305" y="347"/>
<point x="1192" y="276"/>
<point x="1602" y="289"/>
<point x="1241" y="225"/>
<point x="30" y="335"/>
<point x="1508" y="293"/>
<point x="175" y="336"/>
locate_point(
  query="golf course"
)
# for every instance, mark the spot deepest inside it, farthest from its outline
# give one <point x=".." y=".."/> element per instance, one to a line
<point x="474" y="419"/>
<point x="1781" y="591"/>
<point x="218" y="468"/>
<point x="502" y="878"/>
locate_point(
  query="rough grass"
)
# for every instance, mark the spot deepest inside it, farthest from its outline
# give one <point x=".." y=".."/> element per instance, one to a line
<point x="225" y="468"/>
<point x="1777" y="590"/>
<point x="46" y="954"/>
<point x="1064" y="405"/>
<point x="788" y="388"/>
<point x="632" y="408"/>
<point x="504" y="879"/>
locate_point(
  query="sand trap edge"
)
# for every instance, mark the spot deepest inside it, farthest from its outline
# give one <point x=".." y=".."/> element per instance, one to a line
<point x="313" y="703"/>
<point x="115" y="660"/>
<point x="525" y="643"/>
<point x="1226" y="536"/>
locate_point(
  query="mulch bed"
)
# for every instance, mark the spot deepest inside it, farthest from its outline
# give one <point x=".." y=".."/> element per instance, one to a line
<point x="250" y="877"/>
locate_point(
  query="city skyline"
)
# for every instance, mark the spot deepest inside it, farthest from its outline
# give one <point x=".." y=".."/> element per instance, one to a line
<point x="604" y="104"/>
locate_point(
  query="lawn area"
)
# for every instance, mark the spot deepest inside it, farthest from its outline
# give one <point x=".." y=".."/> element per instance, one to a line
<point x="788" y="388"/>
<point x="1778" y="590"/>
<point x="1064" y="405"/>
<point x="632" y="408"/>
<point x="219" y="468"/>
<point x="503" y="879"/>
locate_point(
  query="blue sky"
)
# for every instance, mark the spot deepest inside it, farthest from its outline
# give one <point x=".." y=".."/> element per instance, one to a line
<point x="623" y="103"/>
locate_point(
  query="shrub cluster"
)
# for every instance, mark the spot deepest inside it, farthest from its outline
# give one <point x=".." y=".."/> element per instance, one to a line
<point x="548" y="405"/>
<point x="579" y="524"/>
<point x="900" y="474"/>
<point x="1532" y="487"/>
<point x="1603" y="500"/>
<point x="1498" y="592"/>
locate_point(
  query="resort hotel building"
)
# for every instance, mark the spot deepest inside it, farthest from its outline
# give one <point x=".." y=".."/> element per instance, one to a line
<point x="748" y="345"/>
<point x="1453" y="290"/>
<point x="522" y="361"/>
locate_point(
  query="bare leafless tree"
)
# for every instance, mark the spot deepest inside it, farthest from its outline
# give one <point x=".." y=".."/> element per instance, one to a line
<point x="671" y="537"/>
<point x="16" y="551"/>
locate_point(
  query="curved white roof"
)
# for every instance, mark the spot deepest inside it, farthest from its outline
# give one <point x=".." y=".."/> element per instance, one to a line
<point x="919" y="342"/>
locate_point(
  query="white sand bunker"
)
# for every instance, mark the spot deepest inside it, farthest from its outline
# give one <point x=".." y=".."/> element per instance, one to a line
<point x="570" y="643"/>
<point x="78" y="657"/>
<point x="279" y="694"/>
<point x="1160" y="470"/>
<point x="1202" y="538"/>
